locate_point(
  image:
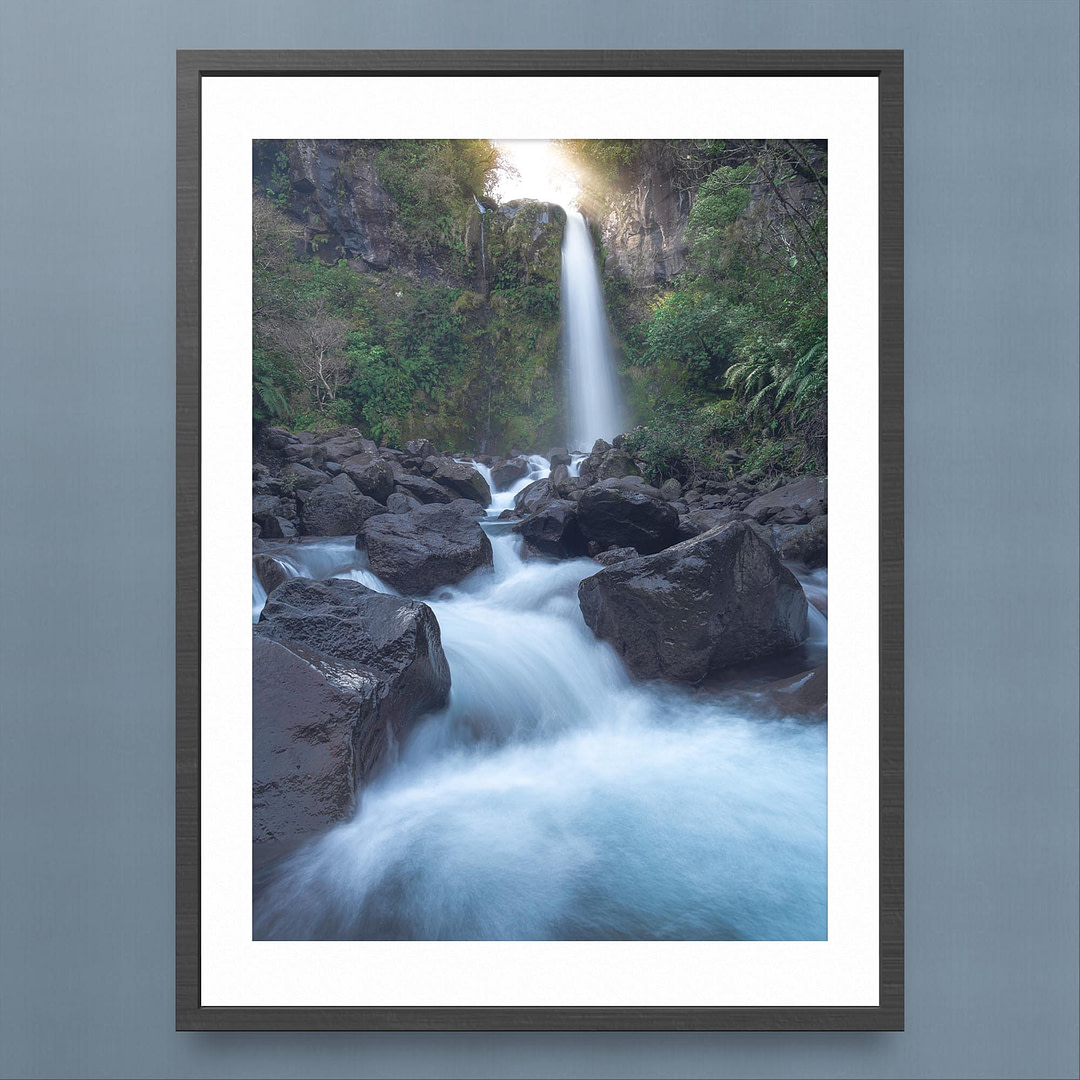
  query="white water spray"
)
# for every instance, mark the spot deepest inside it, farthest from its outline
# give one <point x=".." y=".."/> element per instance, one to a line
<point x="596" y="410"/>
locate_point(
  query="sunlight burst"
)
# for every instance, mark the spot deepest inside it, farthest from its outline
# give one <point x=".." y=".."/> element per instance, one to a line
<point x="539" y="171"/>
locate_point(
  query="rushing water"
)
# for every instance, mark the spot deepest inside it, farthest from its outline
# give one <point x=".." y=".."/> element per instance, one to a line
<point x="556" y="798"/>
<point x="596" y="410"/>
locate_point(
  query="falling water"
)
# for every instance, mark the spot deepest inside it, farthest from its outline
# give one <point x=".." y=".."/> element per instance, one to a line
<point x="483" y="257"/>
<point x="596" y="410"/>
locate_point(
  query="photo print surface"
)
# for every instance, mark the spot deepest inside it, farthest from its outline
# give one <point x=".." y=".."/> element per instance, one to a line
<point x="539" y="567"/>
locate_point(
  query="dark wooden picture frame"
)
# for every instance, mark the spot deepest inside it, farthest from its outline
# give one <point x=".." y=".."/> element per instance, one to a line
<point x="887" y="67"/>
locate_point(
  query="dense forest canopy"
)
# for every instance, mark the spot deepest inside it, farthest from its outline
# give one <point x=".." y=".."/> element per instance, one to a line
<point x="392" y="293"/>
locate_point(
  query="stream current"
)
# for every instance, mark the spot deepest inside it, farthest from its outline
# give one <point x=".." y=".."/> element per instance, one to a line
<point x="557" y="798"/>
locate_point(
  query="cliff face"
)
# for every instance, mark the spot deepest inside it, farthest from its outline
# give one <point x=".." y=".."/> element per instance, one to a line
<point x="335" y="191"/>
<point x="644" y="231"/>
<point x="643" y="226"/>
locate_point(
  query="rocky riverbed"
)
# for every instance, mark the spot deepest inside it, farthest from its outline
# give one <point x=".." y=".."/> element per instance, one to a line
<point x="364" y="555"/>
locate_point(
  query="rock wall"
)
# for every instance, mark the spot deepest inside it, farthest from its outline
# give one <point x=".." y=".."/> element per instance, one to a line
<point x="644" y="231"/>
<point x="643" y="226"/>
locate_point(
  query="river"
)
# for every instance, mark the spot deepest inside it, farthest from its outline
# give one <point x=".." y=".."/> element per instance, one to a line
<point x="557" y="798"/>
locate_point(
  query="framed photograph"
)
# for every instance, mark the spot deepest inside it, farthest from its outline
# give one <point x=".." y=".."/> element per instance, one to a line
<point x="543" y="375"/>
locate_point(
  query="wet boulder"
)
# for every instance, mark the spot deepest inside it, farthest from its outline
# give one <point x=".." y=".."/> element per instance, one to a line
<point x="619" y="513"/>
<point x="505" y="474"/>
<point x="468" y="508"/>
<point x="420" y="448"/>
<point x="558" y="455"/>
<point x="688" y="612"/>
<point x="330" y="511"/>
<point x="792" y="504"/>
<point x="463" y="480"/>
<point x="615" y="555"/>
<point x="806" y="544"/>
<point x="400" y="503"/>
<point x="341" y="673"/>
<point x="341" y="447"/>
<point x="553" y="531"/>
<point x="422" y="489"/>
<point x="273" y="517"/>
<point x="418" y="551"/>
<point x="298" y="477"/>
<point x="535" y="497"/>
<point x="270" y="572"/>
<point x="371" y="474"/>
<point x="616" y="463"/>
<point x="307" y="453"/>
<point x="702" y="521"/>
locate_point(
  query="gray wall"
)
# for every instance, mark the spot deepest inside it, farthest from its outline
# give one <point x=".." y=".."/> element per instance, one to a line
<point x="86" y="554"/>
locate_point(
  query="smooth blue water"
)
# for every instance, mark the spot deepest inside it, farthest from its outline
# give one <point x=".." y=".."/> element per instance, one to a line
<point x="555" y="798"/>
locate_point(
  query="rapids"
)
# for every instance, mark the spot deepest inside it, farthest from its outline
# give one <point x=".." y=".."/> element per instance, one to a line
<point x="556" y="798"/>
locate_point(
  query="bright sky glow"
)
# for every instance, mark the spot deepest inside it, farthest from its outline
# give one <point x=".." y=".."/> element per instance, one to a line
<point x="542" y="173"/>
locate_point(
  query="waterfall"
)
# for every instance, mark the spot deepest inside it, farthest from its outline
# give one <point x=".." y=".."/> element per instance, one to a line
<point x="483" y="257"/>
<point x="596" y="410"/>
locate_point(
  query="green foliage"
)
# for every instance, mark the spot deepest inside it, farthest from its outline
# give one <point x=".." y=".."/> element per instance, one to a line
<point x="780" y="457"/>
<point x="692" y="331"/>
<point x="273" y="379"/>
<point x="433" y="183"/>
<point x="605" y="156"/>
<point x="777" y="385"/>
<point x="731" y="355"/>
<point x="720" y="199"/>
<point x="747" y="320"/>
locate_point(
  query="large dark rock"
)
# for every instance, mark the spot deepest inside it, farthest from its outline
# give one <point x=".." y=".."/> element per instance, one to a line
<point x="308" y="453"/>
<point x="340" y="448"/>
<point x="422" y="489"/>
<point x="420" y="448"/>
<point x="721" y="599"/>
<point x="418" y="551"/>
<point x="270" y="572"/>
<point x="554" y="531"/>
<point x="792" y="504"/>
<point x="703" y="521"/>
<point x="505" y="474"/>
<point x="303" y="719"/>
<point x="805" y="695"/>
<point x="671" y="489"/>
<point x="467" y="507"/>
<point x="400" y="503"/>
<point x="558" y="455"/>
<point x="272" y="516"/>
<point x="463" y="480"/>
<point x="531" y="499"/>
<point x="806" y="544"/>
<point x="340" y="674"/>
<point x="616" y="463"/>
<point x="298" y="477"/>
<point x="329" y="511"/>
<point x="617" y="513"/>
<point x="372" y="475"/>
<point x="615" y="555"/>
<point x="276" y="439"/>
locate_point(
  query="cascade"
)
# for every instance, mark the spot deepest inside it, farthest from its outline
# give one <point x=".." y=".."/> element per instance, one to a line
<point x="555" y="797"/>
<point x="596" y="410"/>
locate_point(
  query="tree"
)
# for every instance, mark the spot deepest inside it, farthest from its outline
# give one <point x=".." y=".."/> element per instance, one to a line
<point x="315" y="341"/>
